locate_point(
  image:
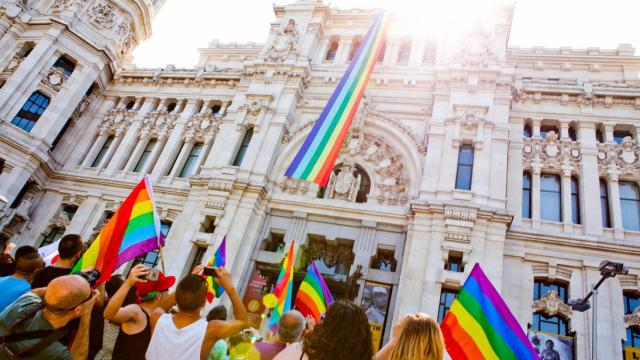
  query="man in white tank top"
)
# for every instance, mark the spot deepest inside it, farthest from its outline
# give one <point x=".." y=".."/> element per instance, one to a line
<point x="185" y="335"/>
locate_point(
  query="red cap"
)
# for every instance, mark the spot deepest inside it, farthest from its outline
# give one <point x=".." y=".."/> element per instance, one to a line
<point x="162" y="284"/>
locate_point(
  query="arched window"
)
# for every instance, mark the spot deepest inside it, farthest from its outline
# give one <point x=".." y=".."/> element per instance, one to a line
<point x="130" y="105"/>
<point x="365" y="185"/>
<point x="550" y="324"/>
<point x="526" y="195"/>
<point x="550" y="200"/>
<point x="65" y="64"/>
<point x="171" y="107"/>
<point x="31" y="111"/>
<point x="355" y="45"/>
<point x="604" y="204"/>
<point x="599" y="134"/>
<point x="573" y="134"/>
<point x="546" y="129"/>
<point x="630" y="205"/>
<point x="216" y="108"/>
<point x="405" y="51"/>
<point x="575" y="200"/>
<point x="333" y="50"/>
<point x="619" y="135"/>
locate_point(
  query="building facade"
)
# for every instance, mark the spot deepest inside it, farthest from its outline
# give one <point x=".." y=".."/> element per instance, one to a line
<point x="525" y="161"/>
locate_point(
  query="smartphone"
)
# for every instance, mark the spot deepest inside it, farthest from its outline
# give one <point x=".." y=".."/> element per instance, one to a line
<point x="208" y="271"/>
<point x="153" y="275"/>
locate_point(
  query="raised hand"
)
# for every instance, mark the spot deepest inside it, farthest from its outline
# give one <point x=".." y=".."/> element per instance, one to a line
<point x="137" y="273"/>
<point x="224" y="278"/>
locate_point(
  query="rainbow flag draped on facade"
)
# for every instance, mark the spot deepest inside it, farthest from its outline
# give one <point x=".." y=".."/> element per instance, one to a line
<point x="313" y="296"/>
<point x="317" y="156"/>
<point x="219" y="258"/>
<point x="479" y="324"/>
<point x="284" y="288"/>
<point x="132" y="231"/>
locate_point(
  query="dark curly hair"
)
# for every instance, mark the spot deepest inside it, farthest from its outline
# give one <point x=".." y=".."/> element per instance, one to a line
<point x="344" y="334"/>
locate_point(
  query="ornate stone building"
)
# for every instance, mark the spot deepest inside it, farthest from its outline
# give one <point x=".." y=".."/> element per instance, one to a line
<point x="523" y="160"/>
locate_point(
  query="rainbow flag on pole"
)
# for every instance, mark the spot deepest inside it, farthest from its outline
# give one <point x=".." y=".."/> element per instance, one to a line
<point x="133" y="230"/>
<point x="313" y="296"/>
<point x="479" y="324"/>
<point x="283" y="290"/>
<point x="219" y="258"/>
<point x="317" y="156"/>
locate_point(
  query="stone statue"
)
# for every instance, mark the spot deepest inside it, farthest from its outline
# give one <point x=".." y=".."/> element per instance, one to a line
<point x="345" y="184"/>
<point x="285" y="44"/>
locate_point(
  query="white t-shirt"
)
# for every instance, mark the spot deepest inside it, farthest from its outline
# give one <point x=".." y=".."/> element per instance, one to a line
<point x="169" y="342"/>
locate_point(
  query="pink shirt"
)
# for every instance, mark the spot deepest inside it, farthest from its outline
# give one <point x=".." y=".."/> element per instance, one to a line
<point x="293" y="351"/>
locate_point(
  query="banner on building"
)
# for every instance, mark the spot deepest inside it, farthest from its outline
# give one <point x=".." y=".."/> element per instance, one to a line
<point x="552" y="346"/>
<point x="253" y="297"/>
<point x="375" y="303"/>
<point x="631" y="353"/>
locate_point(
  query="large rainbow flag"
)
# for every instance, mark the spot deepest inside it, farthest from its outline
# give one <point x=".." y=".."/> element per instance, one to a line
<point x="283" y="290"/>
<point x="479" y="324"/>
<point x="219" y="258"/>
<point x="313" y="296"/>
<point x="132" y="231"/>
<point x="317" y="156"/>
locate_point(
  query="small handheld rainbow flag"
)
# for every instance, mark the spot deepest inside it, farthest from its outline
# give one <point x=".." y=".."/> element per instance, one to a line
<point x="317" y="156"/>
<point x="283" y="290"/>
<point x="133" y="230"/>
<point x="479" y="324"/>
<point x="313" y="296"/>
<point x="219" y="258"/>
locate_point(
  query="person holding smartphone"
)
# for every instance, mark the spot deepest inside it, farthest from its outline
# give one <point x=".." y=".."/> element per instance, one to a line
<point x="133" y="318"/>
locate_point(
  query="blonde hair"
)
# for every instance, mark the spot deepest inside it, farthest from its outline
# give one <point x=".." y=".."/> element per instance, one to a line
<point x="421" y="339"/>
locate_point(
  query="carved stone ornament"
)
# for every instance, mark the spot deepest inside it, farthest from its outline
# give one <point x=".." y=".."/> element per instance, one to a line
<point x="54" y="79"/>
<point x="551" y="153"/>
<point x="201" y="126"/>
<point x="330" y="254"/>
<point x="476" y="50"/>
<point x="285" y="43"/>
<point x="103" y="15"/>
<point x="14" y="62"/>
<point x="343" y="183"/>
<point x="13" y="8"/>
<point x="294" y="186"/>
<point x="62" y="5"/>
<point x="616" y="160"/>
<point x="550" y="304"/>
<point x="60" y="221"/>
<point x="126" y="39"/>
<point x="158" y="123"/>
<point x="633" y="319"/>
<point x="117" y="120"/>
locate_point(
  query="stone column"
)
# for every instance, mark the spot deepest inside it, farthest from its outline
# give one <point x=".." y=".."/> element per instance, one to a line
<point x="17" y="87"/>
<point x="614" y="203"/>
<point x="180" y="159"/>
<point x="564" y="129"/>
<point x="15" y="180"/>
<point x="81" y="219"/>
<point x="515" y="170"/>
<point x="608" y="133"/>
<point x="535" y="126"/>
<point x="590" y="184"/>
<point x="8" y="43"/>
<point x="536" y="169"/>
<point x="364" y="246"/>
<point x="155" y="152"/>
<point x="565" y="193"/>
<point x="143" y="139"/>
<point x="417" y="52"/>
<point x="64" y="103"/>
<point x="95" y="148"/>
<point x="124" y="151"/>
<point x="208" y="141"/>
<point x="117" y="138"/>
<point x="172" y="144"/>
<point x="391" y="54"/>
<point x="344" y="50"/>
<point x="225" y="146"/>
<point x="80" y="157"/>
<point x="322" y="50"/>
<point x="482" y="162"/>
<point x="296" y="232"/>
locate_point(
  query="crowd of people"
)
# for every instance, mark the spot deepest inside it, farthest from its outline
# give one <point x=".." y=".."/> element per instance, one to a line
<point x="48" y="312"/>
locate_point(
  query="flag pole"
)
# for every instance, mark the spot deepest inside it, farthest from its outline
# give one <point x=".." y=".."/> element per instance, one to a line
<point x="161" y="259"/>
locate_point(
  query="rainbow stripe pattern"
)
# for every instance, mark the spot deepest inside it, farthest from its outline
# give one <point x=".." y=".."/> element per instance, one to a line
<point x="313" y="296"/>
<point x="284" y="289"/>
<point x="219" y="258"/>
<point x="132" y="231"/>
<point x="479" y="324"/>
<point x="317" y="156"/>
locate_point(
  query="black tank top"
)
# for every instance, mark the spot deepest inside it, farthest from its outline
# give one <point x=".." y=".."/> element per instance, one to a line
<point x="134" y="346"/>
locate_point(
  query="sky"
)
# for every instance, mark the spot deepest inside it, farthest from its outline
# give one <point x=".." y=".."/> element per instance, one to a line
<point x="183" y="26"/>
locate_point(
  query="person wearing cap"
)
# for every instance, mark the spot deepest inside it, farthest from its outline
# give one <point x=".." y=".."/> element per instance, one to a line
<point x="135" y="327"/>
<point x="28" y="262"/>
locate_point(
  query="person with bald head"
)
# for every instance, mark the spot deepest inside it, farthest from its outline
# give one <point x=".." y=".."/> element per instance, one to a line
<point x="66" y="298"/>
<point x="28" y="262"/>
<point x="290" y="328"/>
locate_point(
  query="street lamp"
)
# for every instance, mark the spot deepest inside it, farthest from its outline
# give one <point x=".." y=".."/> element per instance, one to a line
<point x="608" y="269"/>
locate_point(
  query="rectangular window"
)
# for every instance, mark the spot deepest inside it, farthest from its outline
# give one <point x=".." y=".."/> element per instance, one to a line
<point x="630" y="205"/>
<point x="243" y="147"/>
<point x="144" y="157"/>
<point x="546" y="129"/>
<point x="550" y="199"/>
<point x="65" y="64"/>
<point x="446" y="299"/>
<point x="31" y="111"/>
<point x="550" y="324"/>
<point x="575" y="201"/>
<point x="619" y="135"/>
<point x="526" y="195"/>
<point x="197" y="256"/>
<point x="165" y="227"/>
<point x="454" y="263"/>
<point x="604" y="204"/>
<point x="190" y="163"/>
<point x="465" y="168"/>
<point x="102" y="152"/>
<point x="631" y="302"/>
